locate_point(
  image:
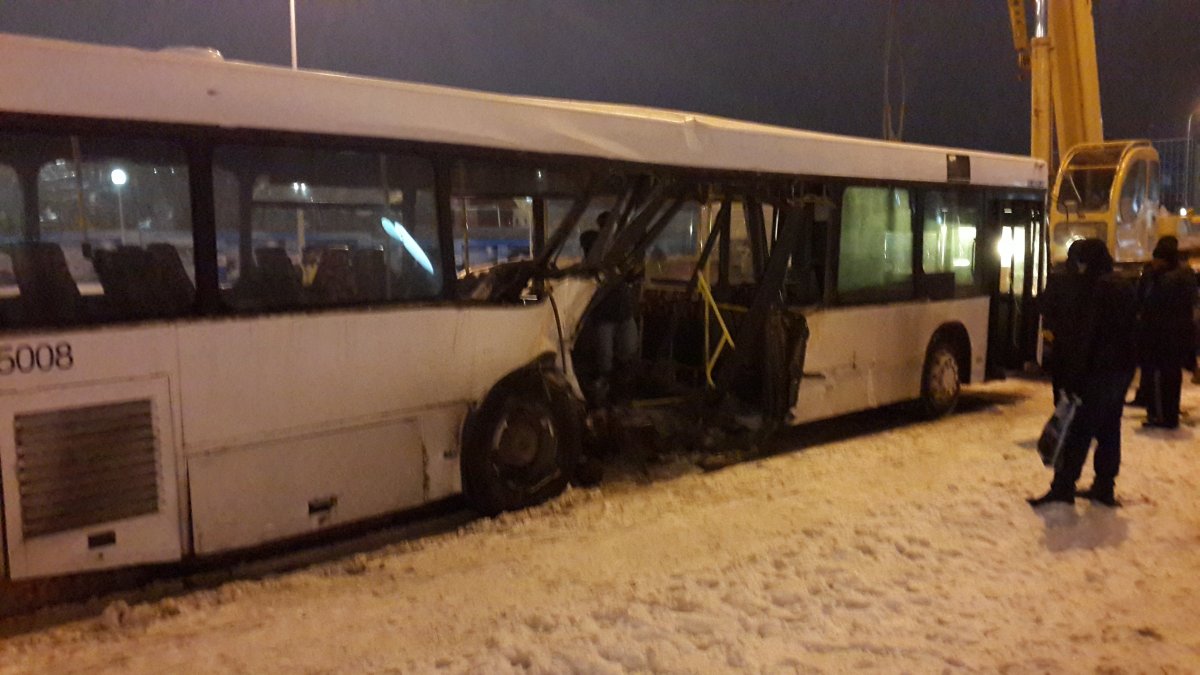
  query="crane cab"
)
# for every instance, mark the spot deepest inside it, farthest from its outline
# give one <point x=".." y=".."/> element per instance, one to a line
<point x="1107" y="191"/>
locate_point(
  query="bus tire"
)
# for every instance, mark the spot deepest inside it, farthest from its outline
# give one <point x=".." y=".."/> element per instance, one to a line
<point x="522" y="446"/>
<point x="941" y="381"/>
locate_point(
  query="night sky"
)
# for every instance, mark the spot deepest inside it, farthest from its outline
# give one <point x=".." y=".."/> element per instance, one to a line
<point x="813" y="64"/>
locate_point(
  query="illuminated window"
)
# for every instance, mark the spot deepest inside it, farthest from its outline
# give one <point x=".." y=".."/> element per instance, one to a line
<point x="950" y="226"/>
<point x="876" y="243"/>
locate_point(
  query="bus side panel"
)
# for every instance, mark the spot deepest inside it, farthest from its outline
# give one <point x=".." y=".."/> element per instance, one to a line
<point x="864" y="357"/>
<point x="349" y="414"/>
<point x="256" y="379"/>
<point x="256" y="493"/>
<point x="441" y="435"/>
<point x="301" y="421"/>
<point x="88" y="451"/>
<point x="975" y="319"/>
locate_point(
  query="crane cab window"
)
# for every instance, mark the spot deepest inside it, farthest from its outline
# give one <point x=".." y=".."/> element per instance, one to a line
<point x="1086" y="181"/>
<point x="1133" y="192"/>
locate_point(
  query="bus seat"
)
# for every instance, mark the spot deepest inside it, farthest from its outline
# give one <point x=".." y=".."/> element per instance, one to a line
<point x="124" y="274"/>
<point x="370" y="274"/>
<point x="170" y="280"/>
<point x="334" y="282"/>
<point x="49" y="295"/>
<point x="278" y="279"/>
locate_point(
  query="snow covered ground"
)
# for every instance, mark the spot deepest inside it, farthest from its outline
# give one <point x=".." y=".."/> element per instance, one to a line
<point x="907" y="550"/>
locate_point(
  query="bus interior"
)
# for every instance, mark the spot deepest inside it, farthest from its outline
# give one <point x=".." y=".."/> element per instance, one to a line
<point x="727" y="270"/>
<point x="724" y="268"/>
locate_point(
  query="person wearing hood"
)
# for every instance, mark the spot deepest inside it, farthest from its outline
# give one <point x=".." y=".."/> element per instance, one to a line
<point x="1166" y="334"/>
<point x="1096" y="361"/>
<point x="1057" y="305"/>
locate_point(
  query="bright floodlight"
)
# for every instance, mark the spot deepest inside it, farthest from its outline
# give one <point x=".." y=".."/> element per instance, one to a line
<point x="396" y="231"/>
<point x="119" y="177"/>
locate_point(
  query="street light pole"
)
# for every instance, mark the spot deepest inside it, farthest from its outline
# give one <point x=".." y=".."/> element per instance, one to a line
<point x="121" y="214"/>
<point x="1187" y="164"/>
<point x="119" y="178"/>
<point x="292" y="8"/>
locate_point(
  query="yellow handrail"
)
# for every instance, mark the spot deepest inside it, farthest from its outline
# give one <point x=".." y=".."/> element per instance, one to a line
<point x="710" y="303"/>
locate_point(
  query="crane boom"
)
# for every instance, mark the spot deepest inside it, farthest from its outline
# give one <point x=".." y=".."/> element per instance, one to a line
<point x="1061" y="62"/>
<point x="1020" y="33"/>
<point x="1075" y="81"/>
<point x="1106" y="190"/>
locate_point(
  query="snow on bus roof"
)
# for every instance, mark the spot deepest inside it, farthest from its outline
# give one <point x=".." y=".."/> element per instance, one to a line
<point x="54" y="77"/>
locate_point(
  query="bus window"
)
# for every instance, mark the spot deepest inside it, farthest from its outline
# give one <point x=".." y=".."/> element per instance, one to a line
<point x="950" y="222"/>
<point x="741" y="242"/>
<point x="805" y="280"/>
<point x="110" y="238"/>
<point x="491" y="231"/>
<point x="875" y="259"/>
<point x="495" y="211"/>
<point x="304" y="227"/>
<point x="556" y="210"/>
<point x="674" y="253"/>
<point x="11" y="215"/>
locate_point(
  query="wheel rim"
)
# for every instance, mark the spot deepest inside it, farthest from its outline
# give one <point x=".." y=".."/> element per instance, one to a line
<point x="943" y="383"/>
<point x="524" y="447"/>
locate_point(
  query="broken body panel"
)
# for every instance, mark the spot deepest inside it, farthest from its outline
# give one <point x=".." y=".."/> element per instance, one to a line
<point x="313" y="299"/>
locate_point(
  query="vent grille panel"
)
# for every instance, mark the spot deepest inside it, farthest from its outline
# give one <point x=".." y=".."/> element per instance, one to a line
<point x="83" y="466"/>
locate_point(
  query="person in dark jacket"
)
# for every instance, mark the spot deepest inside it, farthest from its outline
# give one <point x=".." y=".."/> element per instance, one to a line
<point x="1057" y="305"/>
<point x="1097" y="359"/>
<point x="1166" y="294"/>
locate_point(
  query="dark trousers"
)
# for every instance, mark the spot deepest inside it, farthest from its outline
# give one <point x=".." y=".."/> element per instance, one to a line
<point x="1162" y="385"/>
<point x="1099" y="418"/>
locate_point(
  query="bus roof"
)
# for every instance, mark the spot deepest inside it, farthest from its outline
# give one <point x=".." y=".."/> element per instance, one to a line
<point x="54" y="77"/>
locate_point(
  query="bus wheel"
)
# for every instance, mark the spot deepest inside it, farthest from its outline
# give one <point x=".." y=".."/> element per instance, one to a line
<point x="521" y="447"/>
<point x="941" y="382"/>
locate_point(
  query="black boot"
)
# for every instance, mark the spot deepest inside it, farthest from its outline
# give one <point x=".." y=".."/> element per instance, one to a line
<point x="1057" y="494"/>
<point x="1101" y="492"/>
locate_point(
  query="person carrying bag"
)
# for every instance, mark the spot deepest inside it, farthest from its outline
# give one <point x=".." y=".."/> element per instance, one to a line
<point x="1054" y="434"/>
<point x="1098" y="362"/>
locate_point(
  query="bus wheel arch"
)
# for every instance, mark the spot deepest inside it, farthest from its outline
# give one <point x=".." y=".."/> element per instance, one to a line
<point x="947" y="367"/>
<point x="522" y="444"/>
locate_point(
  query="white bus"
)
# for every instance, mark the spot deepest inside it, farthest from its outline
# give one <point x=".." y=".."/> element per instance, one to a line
<point x="241" y="304"/>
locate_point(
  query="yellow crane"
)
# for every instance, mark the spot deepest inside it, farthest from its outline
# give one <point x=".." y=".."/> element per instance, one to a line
<point x="1101" y="189"/>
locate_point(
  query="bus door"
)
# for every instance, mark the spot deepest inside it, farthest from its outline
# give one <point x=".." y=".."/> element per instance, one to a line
<point x="1018" y="237"/>
<point x="767" y="368"/>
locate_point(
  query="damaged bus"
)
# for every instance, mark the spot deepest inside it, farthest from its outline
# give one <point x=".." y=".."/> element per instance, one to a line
<point x="241" y="304"/>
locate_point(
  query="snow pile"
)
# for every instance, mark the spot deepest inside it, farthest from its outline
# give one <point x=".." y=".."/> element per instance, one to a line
<point x="910" y="549"/>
